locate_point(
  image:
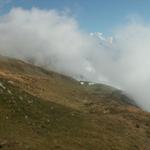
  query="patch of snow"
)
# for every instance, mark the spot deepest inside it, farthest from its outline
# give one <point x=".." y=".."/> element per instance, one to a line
<point x="91" y="83"/>
<point x="2" y="86"/>
<point x="30" y="101"/>
<point x="20" y="97"/>
<point x="82" y="83"/>
<point x="9" y="91"/>
<point x="26" y="117"/>
<point x="11" y="82"/>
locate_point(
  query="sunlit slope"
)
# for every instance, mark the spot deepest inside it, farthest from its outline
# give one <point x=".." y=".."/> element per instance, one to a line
<point x="57" y="88"/>
<point x="43" y="110"/>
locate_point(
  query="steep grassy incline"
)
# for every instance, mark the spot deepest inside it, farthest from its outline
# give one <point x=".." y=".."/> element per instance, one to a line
<point x="60" y="89"/>
<point x="42" y="110"/>
<point x="27" y="122"/>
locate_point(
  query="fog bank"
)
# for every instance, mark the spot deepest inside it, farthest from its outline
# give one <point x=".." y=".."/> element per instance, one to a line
<point x="54" y="40"/>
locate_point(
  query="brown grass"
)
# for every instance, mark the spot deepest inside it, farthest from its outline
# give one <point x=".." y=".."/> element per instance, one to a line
<point x="47" y="111"/>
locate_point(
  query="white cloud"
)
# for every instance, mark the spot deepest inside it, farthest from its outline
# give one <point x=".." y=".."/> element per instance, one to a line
<point x="54" y="40"/>
<point x="50" y="38"/>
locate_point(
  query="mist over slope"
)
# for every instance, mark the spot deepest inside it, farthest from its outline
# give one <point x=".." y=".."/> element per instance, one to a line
<point x="54" y="40"/>
<point x="44" y="110"/>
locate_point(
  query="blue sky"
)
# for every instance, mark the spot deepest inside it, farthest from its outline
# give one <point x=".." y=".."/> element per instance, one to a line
<point x="92" y="15"/>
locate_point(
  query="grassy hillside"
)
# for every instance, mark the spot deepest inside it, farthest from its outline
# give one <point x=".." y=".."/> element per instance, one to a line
<point x="42" y="110"/>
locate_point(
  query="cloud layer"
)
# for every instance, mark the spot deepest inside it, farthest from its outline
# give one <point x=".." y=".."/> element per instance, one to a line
<point x="55" y="41"/>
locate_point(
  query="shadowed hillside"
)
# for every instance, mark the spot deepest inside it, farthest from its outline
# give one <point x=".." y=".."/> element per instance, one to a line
<point x="43" y="110"/>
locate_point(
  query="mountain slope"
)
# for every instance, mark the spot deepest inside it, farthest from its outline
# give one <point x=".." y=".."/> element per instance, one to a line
<point x="43" y="110"/>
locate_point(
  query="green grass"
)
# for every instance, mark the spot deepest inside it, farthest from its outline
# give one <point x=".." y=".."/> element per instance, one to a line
<point x="44" y="110"/>
<point x="28" y="122"/>
<point x="22" y="116"/>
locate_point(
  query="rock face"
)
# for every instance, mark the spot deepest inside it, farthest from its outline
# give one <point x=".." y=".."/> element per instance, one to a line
<point x="44" y="110"/>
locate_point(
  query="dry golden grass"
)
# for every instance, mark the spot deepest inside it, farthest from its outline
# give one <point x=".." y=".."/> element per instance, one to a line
<point x="43" y="110"/>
